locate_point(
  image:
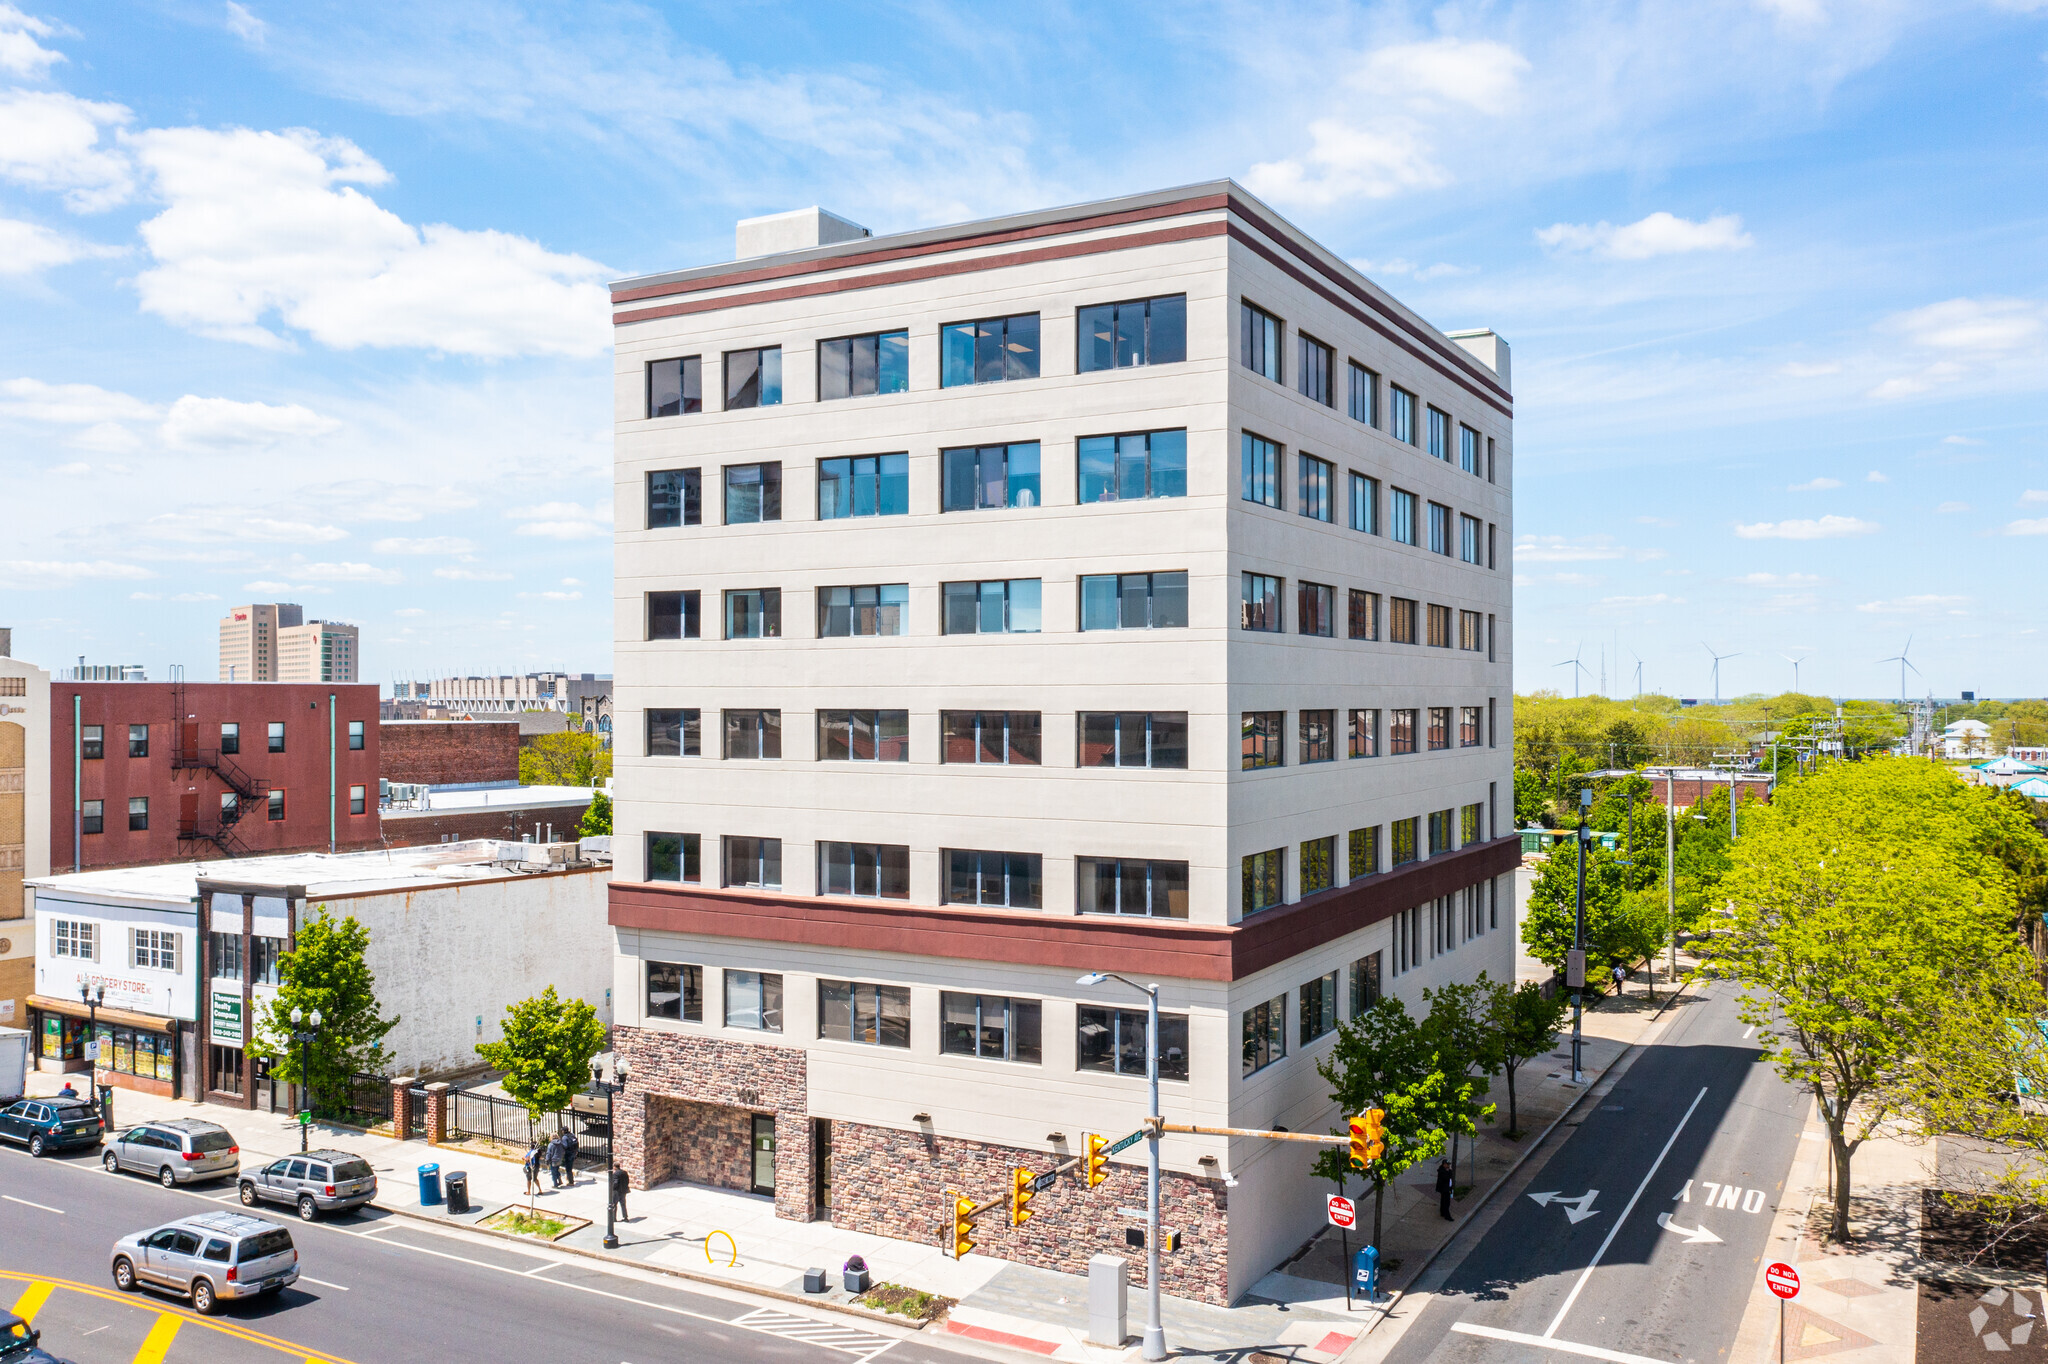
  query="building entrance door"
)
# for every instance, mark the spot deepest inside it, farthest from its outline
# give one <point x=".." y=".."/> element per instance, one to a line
<point x="764" y="1153"/>
<point x="821" y="1150"/>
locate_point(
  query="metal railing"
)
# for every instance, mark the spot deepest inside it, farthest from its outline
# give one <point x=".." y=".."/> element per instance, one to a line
<point x="497" y="1118"/>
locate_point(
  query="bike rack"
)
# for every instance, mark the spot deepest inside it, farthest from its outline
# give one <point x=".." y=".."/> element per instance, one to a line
<point x="732" y="1246"/>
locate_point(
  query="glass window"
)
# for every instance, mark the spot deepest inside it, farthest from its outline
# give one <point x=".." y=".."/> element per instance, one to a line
<point x="989" y="736"/>
<point x="674" y="498"/>
<point x="848" y="612"/>
<point x="854" y="1011"/>
<point x="1265" y="1034"/>
<point x="877" y="871"/>
<point x="1439" y="626"/>
<point x="1129" y="468"/>
<point x="358" y="800"/>
<point x="1260" y="470"/>
<point x="355" y="734"/>
<point x="991" y="350"/>
<point x="753" y="733"/>
<point x="857" y="366"/>
<point x="753" y="999"/>
<point x="230" y="807"/>
<point x="754" y="613"/>
<point x="224" y="950"/>
<point x="1146" y="331"/>
<point x="863" y="485"/>
<point x="674" y="733"/>
<point x="138" y="741"/>
<point x="1439" y="528"/>
<point x="753" y="378"/>
<point x="1318" y="864"/>
<point x="864" y="736"/>
<point x="1439" y="831"/>
<point x="1402" y="412"/>
<point x="994" y="878"/>
<point x="1468" y="824"/>
<point x="265" y="954"/>
<point x="1134" y="601"/>
<point x="675" y="387"/>
<point x="1365" y="504"/>
<point x="1261" y="606"/>
<point x="138" y="812"/>
<point x="72" y="938"/>
<point x="1365" y="733"/>
<point x="1401" y="739"/>
<point x="1318" y="489"/>
<point x="1315" y="609"/>
<point x="673" y="857"/>
<point x="1318" y="1013"/>
<point x="92" y="740"/>
<point x="1439" y="727"/>
<point x="276" y="736"/>
<point x="1364" y="618"/>
<point x="983" y="476"/>
<point x="231" y="738"/>
<point x="1468" y="449"/>
<point x="1260" y="342"/>
<point x="993" y="608"/>
<point x="1365" y="395"/>
<point x="1402" y="839"/>
<point x="1318" y="736"/>
<point x="675" y="990"/>
<point x="1131" y="885"/>
<point x="1113" y="1040"/>
<point x="1401" y="620"/>
<point x="673" y="615"/>
<point x="753" y="863"/>
<point x="1364" y="853"/>
<point x="1259" y="739"/>
<point x="1365" y="984"/>
<point x="276" y="803"/>
<point x="156" y="949"/>
<point x="1404" y="516"/>
<point x="1313" y="376"/>
<point x="753" y="493"/>
<point x="1468" y="538"/>
<point x="1440" y="434"/>
<point x="992" y="1027"/>
<point x="1133" y="739"/>
<point x="1468" y="631"/>
<point x="1468" y="727"/>
<point x="92" y="817"/>
<point x="1264" y="879"/>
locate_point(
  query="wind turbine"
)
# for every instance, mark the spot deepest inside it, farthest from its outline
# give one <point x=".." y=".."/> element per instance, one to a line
<point x="1639" y="670"/>
<point x="1717" y="669"/>
<point x="1795" y="662"/>
<point x="1576" y="666"/>
<point x="1904" y="663"/>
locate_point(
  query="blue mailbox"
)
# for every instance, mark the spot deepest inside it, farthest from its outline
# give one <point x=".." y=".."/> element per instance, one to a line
<point x="1365" y="1273"/>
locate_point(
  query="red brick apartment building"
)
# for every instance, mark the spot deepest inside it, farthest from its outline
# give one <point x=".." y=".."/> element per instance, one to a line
<point x="149" y="772"/>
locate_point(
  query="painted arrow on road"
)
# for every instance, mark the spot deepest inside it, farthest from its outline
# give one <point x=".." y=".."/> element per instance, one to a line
<point x="1577" y="1209"/>
<point x="1694" y="1236"/>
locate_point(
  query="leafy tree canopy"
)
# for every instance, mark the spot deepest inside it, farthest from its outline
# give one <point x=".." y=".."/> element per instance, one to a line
<point x="325" y="970"/>
<point x="565" y="759"/>
<point x="597" y="820"/>
<point x="545" y="1049"/>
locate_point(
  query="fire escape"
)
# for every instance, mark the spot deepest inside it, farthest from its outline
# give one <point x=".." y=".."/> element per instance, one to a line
<point x="188" y="755"/>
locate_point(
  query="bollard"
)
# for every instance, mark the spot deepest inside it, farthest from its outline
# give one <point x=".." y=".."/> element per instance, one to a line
<point x="1109" y="1291"/>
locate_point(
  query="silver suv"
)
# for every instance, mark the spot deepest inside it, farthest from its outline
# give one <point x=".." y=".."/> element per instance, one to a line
<point x="176" y="1152"/>
<point x="213" y="1257"/>
<point x="316" y="1182"/>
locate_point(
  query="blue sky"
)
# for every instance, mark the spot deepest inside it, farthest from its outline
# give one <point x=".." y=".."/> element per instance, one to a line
<point x="305" y="302"/>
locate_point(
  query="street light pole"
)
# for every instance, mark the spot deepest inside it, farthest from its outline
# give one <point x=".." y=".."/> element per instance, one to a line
<point x="1579" y="943"/>
<point x="305" y="1040"/>
<point x="1154" y="1343"/>
<point x="599" y="1085"/>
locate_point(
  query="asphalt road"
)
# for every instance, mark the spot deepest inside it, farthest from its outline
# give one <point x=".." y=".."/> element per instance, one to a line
<point x="1639" y="1238"/>
<point x="374" y="1288"/>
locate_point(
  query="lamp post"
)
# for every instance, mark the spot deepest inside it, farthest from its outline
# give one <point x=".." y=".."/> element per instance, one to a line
<point x="305" y="1040"/>
<point x="598" y="1085"/>
<point x="1154" y="1346"/>
<point x="92" y="999"/>
<point x="1579" y="941"/>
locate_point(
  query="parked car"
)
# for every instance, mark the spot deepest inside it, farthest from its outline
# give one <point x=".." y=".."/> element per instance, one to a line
<point x="46" y="1125"/>
<point x="19" y="1343"/>
<point x="211" y="1257"/>
<point x="176" y="1152"/>
<point x="316" y="1182"/>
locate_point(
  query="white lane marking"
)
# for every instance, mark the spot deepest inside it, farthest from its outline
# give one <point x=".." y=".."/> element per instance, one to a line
<point x="1577" y="1209"/>
<point x="1569" y="1347"/>
<point x="542" y="1269"/>
<point x="44" y="1207"/>
<point x="308" y="1278"/>
<point x="811" y="1331"/>
<point x="1749" y="1032"/>
<point x="1669" y="1141"/>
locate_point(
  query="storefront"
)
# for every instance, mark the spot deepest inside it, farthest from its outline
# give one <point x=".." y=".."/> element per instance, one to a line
<point x="248" y="933"/>
<point x="131" y="951"/>
<point x="135" y="1051"/>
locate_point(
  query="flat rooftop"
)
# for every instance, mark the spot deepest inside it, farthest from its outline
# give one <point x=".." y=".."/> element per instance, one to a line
<point x="313" y="874"/>
<point x="443" y="800"/>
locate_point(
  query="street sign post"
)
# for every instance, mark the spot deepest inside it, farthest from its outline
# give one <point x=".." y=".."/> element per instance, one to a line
<point x="1343" y="1212"/>
<point x="1127" y="1142"/>
<point x="1784" y="1281"/>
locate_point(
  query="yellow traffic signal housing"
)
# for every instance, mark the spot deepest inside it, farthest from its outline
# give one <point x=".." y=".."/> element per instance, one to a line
<point x="1368" y="1137"/>
<point x="1097" y="1163"/>
<point x="1021" y="1194"/>
<point x="963" y="1223"/>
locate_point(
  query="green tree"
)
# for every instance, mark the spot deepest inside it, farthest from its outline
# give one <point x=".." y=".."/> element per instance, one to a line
<point x="1456" y="1027"/>
<point x="1522" y="1025"/>
<point x="597" y="819"/>
<point x="1532" y="797"/>
<point x="565" y="759"/>
<point x="545" y="1047"/>
<point x="326" y="970"/>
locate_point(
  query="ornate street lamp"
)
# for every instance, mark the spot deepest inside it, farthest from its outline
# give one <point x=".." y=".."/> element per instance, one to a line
<point x="304" y="1036"/>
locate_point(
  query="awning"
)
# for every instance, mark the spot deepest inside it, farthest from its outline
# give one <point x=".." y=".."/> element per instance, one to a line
<point x="71" y="1008"/>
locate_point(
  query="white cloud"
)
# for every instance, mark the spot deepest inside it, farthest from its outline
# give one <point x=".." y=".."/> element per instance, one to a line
<point x="194" y="422"/>
<point x="245" y="25"/>
<point x="70" y="404"/>
<point x="2034" y="496"/>
<point x="369" y="499"/>
<point x="1797" y="370"/>
<point x="1664" y="521"/>
<point x="472" y="575"/>
<point x="283" y="588"/>
<point x="1420" y="273"/>
<point x="1875" y="477"/>
<point x="563" y="530"/>
<point x="564" y="520"/>
<point x="1947" y="507"/>
<point x="76" y="468"/>
<point x="20" y="53"/>
<point x="1924" y="604"/>
<point x="26" y="575"/>
<point x="410" y="612"/>
<point x="432" y="544"/>
<point x="346" y="572"/>
<point x="1815" y="485"/>
<point x="1982" y="325"/>
<point x="189" y="423"/>
<point x="1653" y="599"/>
<point x="215" y="527"/>
<point x="196" y="596"/>
<point x="26" y="248"/>
<point x="1556" y="549"/>
<point x="552" y="596"/>
<point x="1960" y="440"/>
<point x="572" y="582"/>
<point x="50" y="142"/>
<point x="263" y="226"/>
<point x="2030" y="526"/>
<point x="1826" y="528"/>
<point x="1660" y="234"/>
<point x="1775" y="579"/>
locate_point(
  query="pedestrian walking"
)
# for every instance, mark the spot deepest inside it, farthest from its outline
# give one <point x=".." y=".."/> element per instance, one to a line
<point x="619" y="1186"/>
<point x="570" y="1148"/>
<point x="532" y="1167"/>
<point x="554" y="1159"/>
<point x="1446" y="1181"/>
<point x="1620" y="979"/>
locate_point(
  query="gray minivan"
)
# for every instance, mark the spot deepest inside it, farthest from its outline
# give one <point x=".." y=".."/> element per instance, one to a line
<point x="316" y="1182"/>
<point x="178" y="1151"/>
<point x="211" y="1257"/>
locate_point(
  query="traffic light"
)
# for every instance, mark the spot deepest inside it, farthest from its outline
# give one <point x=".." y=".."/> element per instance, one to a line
<point x="963" y="1211"/>
<point x="1021" y="1194"/>
<point x="1368" y="1137"/>
<point x="1097" y="1165"/>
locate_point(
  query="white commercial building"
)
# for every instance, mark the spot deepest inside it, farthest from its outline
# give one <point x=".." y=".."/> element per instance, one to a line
<point x="274" y="642"/>
<point x="1122" y="587"/>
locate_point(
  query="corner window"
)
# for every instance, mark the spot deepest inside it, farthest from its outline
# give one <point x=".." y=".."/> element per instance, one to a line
<point x="753" y="863"/>
<point x="1440" y="434"/>
<point x="983" y="476"/>
<point x="864" y="736"/>
<point x="138" y="741"/>
<point x="1134" y="601"/>
<point x="1365" y="984"/>
<point x="992" y="1027"/>
<point x="673" y="857"/>
<point x="1130" y="468"/>
<point x="1113" y="1041"/>
<point x="858" y="366"/>
<point x="1312" y="375"/>
<point x="863" y="485"/>
<point x="1009" y="879"/>
<point x="1145" y="331"/>
<point x="231" y="738"/>
<point x="850" y="612"/>
<point x="753" y="999"/>
<point x="1265" y="1034"/>
<point x="355" y="735"/>
<point x="1261" y="605"/>
<point x="674" y="498"/>
<point x="1439" y="528"/>
<point x="1468" y="726"/>
<point x="753" y="378"/>
<point x="1365" y="733"/>
<point x="1364" y="616"/>
<point x="1001" y="607"/>
<point x="1134" y="739"/>
<point x="753" y="733"/>
<point x="675" y="990"/>
<point x="1259" y="461"/>
<point x="92" y="741"/>
<point x="1365" y="395"/>
<point x="1468" y="538"/>
<point x="358" y="800"/>
<point x="754" y="613"/>
<point x="853" y="1011"/>
<point x="1439" y="626"/>
<point x="276" y="736"/>
<point x="92" y="816"/>
<point x="1439" y="728"/>
<point x="1318" y="489"/>
<point x="1315" y="609"/>
<point x="1401" y="408"/>
<point x="673" y="615"/>
<point x="1401" y="615"/>
<point x="1259" y="342"/>
<point x="276" y="811"/>
<point x="1401" y="735"/>
<point x="753" y="493"/>
<point x="875" y="871"/>
<point x="989" y="736"/>
<point x="675" y="387"/>
<point x="1131" y="885"/>
<point x="1318" y="1012"/>
<point x="988" y="351"/>
<point x="1404" y="516"/>
<point x="1468" y="450"/>
<point x="1402" y="839"/>
<point x="1259" y="739"/>
<point x="674" y="733"/>
<point x="1365" y="504"/>
<point x="1318" y="738"/>
<point x="1364" y="853"/>
<point x="138" y="813"/>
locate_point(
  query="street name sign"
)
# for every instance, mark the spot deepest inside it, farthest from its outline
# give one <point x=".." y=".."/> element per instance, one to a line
<point x="1126" y="1143"/>
<point x="1343" y="1213"/>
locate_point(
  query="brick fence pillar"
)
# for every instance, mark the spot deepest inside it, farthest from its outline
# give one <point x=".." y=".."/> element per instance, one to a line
<point x="401" y="1106"/>
<point x="437" y="1112"/>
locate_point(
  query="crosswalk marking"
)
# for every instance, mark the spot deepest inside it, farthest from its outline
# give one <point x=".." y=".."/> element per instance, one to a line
<point x="31" y="1301"/>
<point x="811" y="1331"/>
<point x="157" y="1343"/>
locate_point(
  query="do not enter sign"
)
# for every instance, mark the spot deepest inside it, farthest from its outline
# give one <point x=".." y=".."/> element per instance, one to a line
<point x="1783" y="1279"/>
<point x="1343" y="1213"/>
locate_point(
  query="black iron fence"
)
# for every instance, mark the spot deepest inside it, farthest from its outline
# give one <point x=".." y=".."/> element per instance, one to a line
<point x="364" y="1101"/>
<point x="497" y="1118"/>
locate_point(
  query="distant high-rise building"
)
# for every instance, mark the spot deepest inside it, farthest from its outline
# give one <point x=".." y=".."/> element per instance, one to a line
<point x="274" y="642"/>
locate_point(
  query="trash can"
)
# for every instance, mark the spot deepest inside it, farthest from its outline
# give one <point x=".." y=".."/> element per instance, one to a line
<point x="854" y="1275"/>
<point x="814" y="1280"/>
<point x="457" y="1182"/>
<point x="430" y="1185"/>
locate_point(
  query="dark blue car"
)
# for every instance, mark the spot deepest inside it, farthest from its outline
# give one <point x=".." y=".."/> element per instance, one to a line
<point x="19" y="1343"/>
<point x="45" y="1125"/>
